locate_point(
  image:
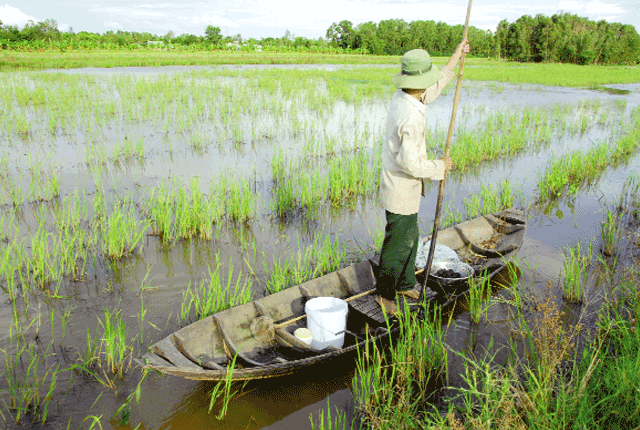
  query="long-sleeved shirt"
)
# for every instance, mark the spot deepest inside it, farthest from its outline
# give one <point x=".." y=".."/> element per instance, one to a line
<point x="404" y="151"/>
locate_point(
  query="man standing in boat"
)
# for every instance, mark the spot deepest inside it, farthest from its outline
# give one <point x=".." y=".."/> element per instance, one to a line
<point x="404" y="167"/>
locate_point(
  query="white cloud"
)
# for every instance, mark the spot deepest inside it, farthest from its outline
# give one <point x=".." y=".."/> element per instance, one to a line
<point x="112" y="24"/>
<point x="146" y="13"/>
<point x="568" y="5"/>
<point x="11" y="15"/>
<point x="596" y="7"/>
<point x="214" y="20"/>
<point x="591" y="8"/>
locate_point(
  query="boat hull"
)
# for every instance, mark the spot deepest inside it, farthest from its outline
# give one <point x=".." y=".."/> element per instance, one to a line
<point x="259" y="335"/>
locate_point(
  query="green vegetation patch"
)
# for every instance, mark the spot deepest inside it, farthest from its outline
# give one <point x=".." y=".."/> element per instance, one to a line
<point x="12" y="60"/>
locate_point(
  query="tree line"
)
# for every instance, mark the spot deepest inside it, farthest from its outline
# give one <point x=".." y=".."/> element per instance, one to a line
<point x="45" y="35"/>
<point x="562" y="37"/>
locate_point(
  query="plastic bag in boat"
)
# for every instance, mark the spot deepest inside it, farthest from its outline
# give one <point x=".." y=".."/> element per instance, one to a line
<point x="441" y="253"/>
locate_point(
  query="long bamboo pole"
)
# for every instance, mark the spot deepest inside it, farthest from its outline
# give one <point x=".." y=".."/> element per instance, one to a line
<point x="447" y="149"/>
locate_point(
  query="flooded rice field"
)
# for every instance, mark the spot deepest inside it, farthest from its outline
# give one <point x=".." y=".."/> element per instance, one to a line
<point x="135" y="201"/>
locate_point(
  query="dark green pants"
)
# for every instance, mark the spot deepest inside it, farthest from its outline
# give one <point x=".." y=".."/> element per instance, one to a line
<point x="398" y="255"/>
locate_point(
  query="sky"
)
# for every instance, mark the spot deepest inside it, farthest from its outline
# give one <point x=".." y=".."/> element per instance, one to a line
<point x="272" y="18"/>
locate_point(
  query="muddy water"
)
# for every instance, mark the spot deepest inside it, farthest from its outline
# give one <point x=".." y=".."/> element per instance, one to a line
<point x="158" y="276"/>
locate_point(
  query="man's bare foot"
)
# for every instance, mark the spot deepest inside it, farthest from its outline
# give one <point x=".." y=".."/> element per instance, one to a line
<point x="388" y="306"/>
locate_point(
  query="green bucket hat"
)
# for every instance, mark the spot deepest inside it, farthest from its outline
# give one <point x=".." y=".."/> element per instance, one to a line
<point x="417" y="71"/>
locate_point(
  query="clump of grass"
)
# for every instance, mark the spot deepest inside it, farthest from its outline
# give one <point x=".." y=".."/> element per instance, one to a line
<point x="610" y="233"/>
<point x="568" y="173"/>
<point x="216" y="295"/>
<point x="44" y="187"/>
<point x="117" y="351"/>
<point x="479" y="289"/>
<point x="575" y="273"/>
<point x="328" y="423"/>
<point x="524" y="393"/>
<point x="122" y="231"/>
<point x="27" y="392"/>
<point x="555" y="385"/>
<point x="629" y="202"/>
<point x="222" y="390"/>
<point x="609" y="388"/>
<point x="493" y="198"/>
<point x="240" y="199"/>
<point x="321" y="257"/>
<point x="393" y="389"/>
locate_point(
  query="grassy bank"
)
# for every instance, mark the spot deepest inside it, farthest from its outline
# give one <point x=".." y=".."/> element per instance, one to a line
<point x="477" y="68"/>
<point x="12" y="61"/>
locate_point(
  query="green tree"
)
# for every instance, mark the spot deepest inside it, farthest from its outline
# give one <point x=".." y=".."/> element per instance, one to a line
<point x="395" y="36"/>
<point x="502" y="33"/>
<point x="42" y="30"/>
<point x="342" y="34"/>
<point x="422" y="35"/>
<point x="212" y="34"/>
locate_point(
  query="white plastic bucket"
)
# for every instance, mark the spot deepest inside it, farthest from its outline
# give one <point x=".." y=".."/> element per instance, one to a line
<point x="327" y="320"/>
<point x="304" y="334"/>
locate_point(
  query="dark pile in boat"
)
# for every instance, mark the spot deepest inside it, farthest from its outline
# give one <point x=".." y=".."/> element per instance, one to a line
<point x="448" y="274"/>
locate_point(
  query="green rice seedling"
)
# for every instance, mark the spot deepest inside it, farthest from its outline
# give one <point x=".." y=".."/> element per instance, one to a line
<point x="340" y="423"/>
<point x="47" y="261"/>
<point x="223" y="390"/>
<point x="473" y="205"/>
<point x="285" y="200"/>
<point x="315" y="260"/>
<point x="96" y="154"/>
<point x="160" y="210"/>
<point x="139" y="151"/>
<point x="113" y="337"/>
<point x="208" y="299"/>
<point x="578" y="168"/>
<point x="451" y="216"/>
<point x="93" y="420"/>
<point x="89" y="357"/>
<point x="490" y="199"/>
<point x="45" y="187"/>
<point x="14" y="191"/>
<point x="610" y="233"/>
<point x="241" y="201"/>
<point x="394" y="389"/>
<point x="64" y="321"/>
<point x="25" y="387"/>
<point x="479" y="290"/>
<point x="575" y="274"/>
<point x="121" y="232"/>
<point x="197" y="141"/>
<point x="277" y="275"/>
<point x="327" y="255"/>
<point x="506" y="196"/>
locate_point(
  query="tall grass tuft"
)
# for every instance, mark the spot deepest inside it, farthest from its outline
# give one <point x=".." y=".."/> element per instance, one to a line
<point x="26" y="384"/>
<point x="216" y="295"/>
<point x="575" y="273"/>
<point x="122" y="231"/>
<point x="393" y="390"/>
<point x="117" y="350"/>
<point x="610" y="233"/>
<point x="479" y="289"/>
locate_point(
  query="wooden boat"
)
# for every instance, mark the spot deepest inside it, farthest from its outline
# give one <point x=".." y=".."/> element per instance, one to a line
<point x="260" y="336"/>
